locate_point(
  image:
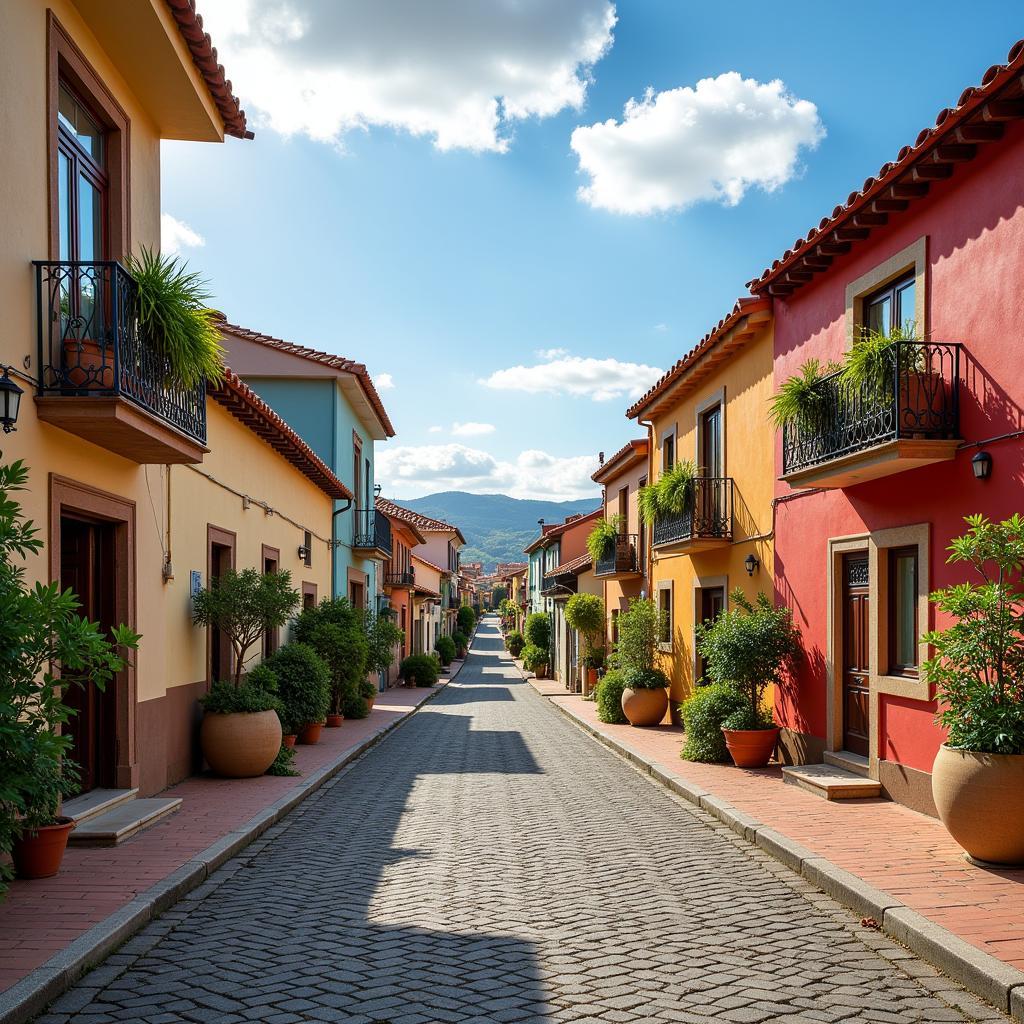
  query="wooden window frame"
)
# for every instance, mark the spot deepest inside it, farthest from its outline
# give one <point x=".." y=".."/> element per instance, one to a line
<point x="895" y="668"/>
<point x="271" y="637"/>
<point x="665" y="586"/>
<point x="307" y="544"/>
<point x="308" y="590"/>
<point x="890" y="291"/>
<point x="228" y="539"/>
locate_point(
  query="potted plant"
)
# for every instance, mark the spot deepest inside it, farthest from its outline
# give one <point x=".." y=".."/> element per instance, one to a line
<point x="644" y="694"/>
<point x="172" y="306"/>
<point x="383" y="638"/>
<point x="461" y="644"/>
<point x="535" y="660"/>
<point x="977" y="669"/>
<point x="46" y="647"/>
<point x="419" y="670"/>
<point x="703" y="714"/>
<point x="608" y="697"/>
<point x="242" y="605"/>
<point x="672" y="494"/>
<point x="303" y="687"/>
<point x="445" y="648"/>
<point x="466" y="620"/>
<point x="585" y="613"/>
<point x="749" y="647"/>
<point x="515" y="642"/>
<point x="799" y="400"/>
<point x="602" y="538"/>
<point x="537" y="632"/>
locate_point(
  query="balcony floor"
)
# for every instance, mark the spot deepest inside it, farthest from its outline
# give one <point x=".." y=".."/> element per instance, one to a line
<point x="691" y="545"/>
<point x="873" y="463"/>
<point x="371" y="551"/>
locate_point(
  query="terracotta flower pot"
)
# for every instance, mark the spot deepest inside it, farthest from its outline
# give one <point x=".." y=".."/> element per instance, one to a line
<point x="370" y="702"/>
<point x="38" y="854"/>
<point x="644" y="707"/>
<point x="334" y="721"/>
<point x="980" y="799"/>
<point x="289" y="740"/>
<point x="751" y="748"/>
<point x="85" y="365"/>
<point x="310" y="733"/>
<point x="240" y="745"/>
<point x="541" y="672"/>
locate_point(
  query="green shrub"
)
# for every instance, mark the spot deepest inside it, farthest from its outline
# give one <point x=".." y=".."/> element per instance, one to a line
<point x="337" y="632"/>
<point x="445" y="647"/>
<point x="225" y="698"/>
<point x="368" y="689"/>
<point x="609" y="697"/>
<point x="466" y="620"/>
<point x="515" y="642"/>
<point x="602" y="537"/>
<point x="382" y="637"/>
<point x="419" y="669"/>
<point x="461" y="644"/>
<point x="303" y="685"/>
<point x="640" y="628"/>
<point x="538" y="630"/>
<point x="284" y="763"/>
<point x="585" y="614"/>
<point x="671" y="494"/>
<point x="534" y="657"/>
<point x="703" y="716"/>
<point x="645" y="678"/>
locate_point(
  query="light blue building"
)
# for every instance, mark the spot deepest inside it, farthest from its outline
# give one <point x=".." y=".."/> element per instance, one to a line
<point x="330" y="401"/>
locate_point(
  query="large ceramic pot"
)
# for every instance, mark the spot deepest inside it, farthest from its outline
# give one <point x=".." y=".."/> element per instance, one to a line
<point x="334" y="721"/>
<point x="541" y="672"/>
<point x="980" y="799"/>
<point x="38" y="854"/>
<point x="751" y="748"/>
<point x="644" y="707"/>
<point x="88" y="364"/>
<point x="240" y="745"/>
<point x="310" y="733"/>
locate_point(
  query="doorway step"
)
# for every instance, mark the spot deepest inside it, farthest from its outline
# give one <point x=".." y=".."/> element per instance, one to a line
<point x="831" y="782"/>
<point x="107" y="817"/>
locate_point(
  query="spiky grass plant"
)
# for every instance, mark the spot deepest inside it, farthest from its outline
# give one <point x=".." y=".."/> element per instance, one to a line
<point x="876" y="358"/>
<point x="799" y="397"/>
<point x="603" y="535"/>
<point x="670" y="494"/>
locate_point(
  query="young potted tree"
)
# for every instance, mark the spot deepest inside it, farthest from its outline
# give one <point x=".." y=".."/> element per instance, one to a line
<point x="585" y="614"/>
<point x="644" y="694"/>
<point x="538" y="638"/>
<point x="515" y="642"/>
<point x="750" y="646"/>
<point x="977" y="669"/>
<point x="445" y="647"/>
<point x="304" y="689"/>
<point x="46" y="647"/>
<point x="419" y="670"/>
<point x="383" y="637"/>
<point x="241" y="731"/>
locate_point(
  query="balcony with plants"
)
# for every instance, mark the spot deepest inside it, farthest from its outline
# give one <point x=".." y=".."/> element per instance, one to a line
<point x="371" y="535"/>
<point x="124" y="355"/>
<point x="892" y="405"/>
<point x="688" y="512"/>
<point x="614" y="552"/>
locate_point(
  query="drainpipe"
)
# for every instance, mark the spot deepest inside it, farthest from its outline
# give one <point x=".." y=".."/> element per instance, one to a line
<point x="335" y="542"/>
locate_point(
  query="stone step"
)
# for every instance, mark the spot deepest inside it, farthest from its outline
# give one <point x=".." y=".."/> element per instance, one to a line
<point x="856" y="763"/>
<point x="123" y="822"/>
<point x="830" y="782"/>
<point x="96" y="802"/>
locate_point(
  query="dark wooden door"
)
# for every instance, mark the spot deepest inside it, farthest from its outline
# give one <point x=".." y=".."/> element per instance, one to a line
<point x="221" y="656"/>
<point x="712" y="602"/>
<point x="856" y="616"/>
<point x="87" y="567"/>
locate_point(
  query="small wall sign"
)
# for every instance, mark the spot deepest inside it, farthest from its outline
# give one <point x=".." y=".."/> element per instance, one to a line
<point x="195" y="582"/>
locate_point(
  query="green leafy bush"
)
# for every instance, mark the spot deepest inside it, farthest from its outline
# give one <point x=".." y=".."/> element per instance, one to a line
<point x="419" y="669"/>
<point x="382" y="638"/>
<point x="585" y="614"/>
<point x="872" y="364"/>
<point x="644" y="678"/>
<point x="534" y="657"/>
<point x="461" y="643"/>
<point x="538" y="630"/>
<point x="466" y="619"/>
<point x="703" y="717"/>
<point x="445" y="648"/>
<point x="225" y="698"/>
<point x="608" y="695"/>
<point x="337" y="632"/>
<point x="640" y="627"/>
<point x="799" y="400"/>
<point x="368" y="689"/>
<point x="284" y="763"/>
<point x="303" y="684"/>
<point x="602" y="537"/>
<point x="515" y="642"/>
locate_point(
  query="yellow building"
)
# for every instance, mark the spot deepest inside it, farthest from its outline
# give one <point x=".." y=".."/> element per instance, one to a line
<point x="711" y="409"/>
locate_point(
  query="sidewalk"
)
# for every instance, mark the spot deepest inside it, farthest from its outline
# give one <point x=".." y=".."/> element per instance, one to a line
<point x="901" y="864"/>
<point x="56" y="927"/>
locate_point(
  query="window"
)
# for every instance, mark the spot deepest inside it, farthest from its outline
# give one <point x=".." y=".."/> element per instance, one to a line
<point x="711" y="460"/>
<point x="308" y="595"/>
<point x="712" y="604"/>
<point x="615" y="626"/>
<point x="903" y="620"/>
<point x="668" y="452"/>
<point x="623" y="510"/>
<point x="891" y="308"/>
<point x="665" y="623"/>
<point x="271" y="638"/>
<point x="307" y="543"/>
<point x="642" y="534"/>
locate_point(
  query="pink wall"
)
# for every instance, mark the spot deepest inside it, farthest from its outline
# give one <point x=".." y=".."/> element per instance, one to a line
<point x="975" y="228"/>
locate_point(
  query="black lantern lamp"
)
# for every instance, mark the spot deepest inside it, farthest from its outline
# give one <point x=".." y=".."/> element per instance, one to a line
<point x="981" y="464"/>
<point x="751" y="564"/>
<point x="10" y="402"/>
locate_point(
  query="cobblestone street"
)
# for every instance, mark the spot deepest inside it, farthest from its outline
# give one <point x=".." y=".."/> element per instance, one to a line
<point x="490" y="862"/>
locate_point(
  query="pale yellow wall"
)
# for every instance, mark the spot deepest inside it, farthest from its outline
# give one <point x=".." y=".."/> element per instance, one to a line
<point x="746" y="378"/>
<point x="618" y="593"/>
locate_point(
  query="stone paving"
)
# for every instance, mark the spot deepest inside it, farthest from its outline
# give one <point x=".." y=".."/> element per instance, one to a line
<point x="490" y="862"/>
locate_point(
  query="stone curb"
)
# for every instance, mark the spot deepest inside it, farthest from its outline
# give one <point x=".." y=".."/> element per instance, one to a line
<point x="33" y="993"/>
<point x="978" y="971"/>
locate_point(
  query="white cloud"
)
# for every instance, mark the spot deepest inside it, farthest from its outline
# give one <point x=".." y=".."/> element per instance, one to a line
<point x="435" y="429"/>
<point x="661" y="328"/>
<point x="384" y="381"/>
<point x="599" y="379"/>
<point x="460" y="71"/>
<point x="472" y="429"/>
<point x="551" y="353"/>
<point x="687" y="145"/>
<point x="176" y="235"/>
<point x="413" y="470"/>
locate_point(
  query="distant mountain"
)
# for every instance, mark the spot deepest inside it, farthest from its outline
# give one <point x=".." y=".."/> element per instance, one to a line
<point x="496" y="527"/>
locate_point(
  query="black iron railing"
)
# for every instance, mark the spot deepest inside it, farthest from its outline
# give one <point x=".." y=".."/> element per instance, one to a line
<point x="90" y="344"/>
<point x="916" y="396"/>
<point x="559" y="584"/>
<point x="372" y="530"/>
<point x="619" y="556"/>
<point x="402" y="578"/>
<point x="708" y="515"/>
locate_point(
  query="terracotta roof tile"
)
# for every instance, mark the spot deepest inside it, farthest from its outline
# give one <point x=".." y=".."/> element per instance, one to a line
<point x="248" y="408"/>
<point x="425" y="591"/>
<point x="574" y="566"/>
<point x="417" y="519"/>
<point x="433" y="565"/>
<point x="204" y="55"/>
<point x="611" y="467"/>
<point x="549" y="530"/>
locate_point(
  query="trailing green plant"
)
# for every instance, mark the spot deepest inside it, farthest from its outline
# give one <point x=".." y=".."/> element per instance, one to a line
<point x="704" y="714"/>
<point x="243" y="606"/>
<point x="537" y="630"/>
<point x="873" y="363"/>
<point x="645" y="679"/>
<point x="647" y="504"/>
<point x="601" y="538"/>
<point x="749" y="646"/>
<point x="46" y="648"/>
<point x="445" y="647"/>
<point x="515" y="642"/>
<point x="466" y="619"/>
<point x="608" y="695"/>
<point x="419" y="669"/>
<point x="175" y="317"/>
<point x="337" y="632"/>
<point x="977" y="664"/>
<point x="284" y="763"/>
<point x="382" y="638"/>
<point x="640" y="628"/>
<point x="303" y="685"/>
<point x="670" y="495"/>
<point x="585" y="614"/>
<point x="534" y="657"/>
<point x="799" y="400"/>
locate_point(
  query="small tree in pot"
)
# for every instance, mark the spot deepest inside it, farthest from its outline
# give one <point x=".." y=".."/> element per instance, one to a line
<point x="383" y="639"/>
<point x="304" y="688"/>
<point x="336" y="631"/>
<point x="585" y="614"/>
<point x="538" y="637"/>
<point x="644" y="694"/>
<point x="749" y="647"/>
<point x="977" y="670"/>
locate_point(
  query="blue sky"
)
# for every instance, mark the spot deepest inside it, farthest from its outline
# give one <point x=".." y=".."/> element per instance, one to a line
<point x="446" y="257"/>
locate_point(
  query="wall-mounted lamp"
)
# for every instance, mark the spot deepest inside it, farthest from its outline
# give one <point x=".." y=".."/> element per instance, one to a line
<point x="981" y="465"/>
<point x="376" y="490"/>
<point x="304" y="553"/>
<point x="751" y="564"/>
<point x="10" y="402"/>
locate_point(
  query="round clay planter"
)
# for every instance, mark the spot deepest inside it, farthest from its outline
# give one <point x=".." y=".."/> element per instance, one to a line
<point x="644" y="707"/>
<point x="751" y="748"/>
<point x="38" y="854"/>
<point x="541" y="672"/>
<point x="310" y="733"/>
<point x="591" y="678"/>
<point x="980" y="799"/>
<point x="289" y="740"/>
<point x="369" y="702"/>
<point x="334" y="721"/>
<point x="241" y="745"/>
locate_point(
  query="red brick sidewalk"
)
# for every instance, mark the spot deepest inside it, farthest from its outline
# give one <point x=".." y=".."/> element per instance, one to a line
<point x="40" y="918"/>
<point x="899" y="851"/>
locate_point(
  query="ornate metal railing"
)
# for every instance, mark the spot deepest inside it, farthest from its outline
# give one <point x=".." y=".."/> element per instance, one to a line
<point x="552" y="585"/>
<point x="90" y="344"/>
<point x="619" y="556"/>
<point x="916" y="396"/>
<point x="708" y="516"/>
<point x="372" y="530"/>
<point x="403" y="578"/>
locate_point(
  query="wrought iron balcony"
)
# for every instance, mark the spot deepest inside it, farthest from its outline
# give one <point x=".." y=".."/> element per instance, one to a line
<point x="706" y="523"/>
<point x="619" y="558"/>
<point x="372" y="533"/>
<point x="564" y="583"/>
<point x="401" y="578"/>
<point x="99" y="378"/>
<point x="860" y="433"/>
